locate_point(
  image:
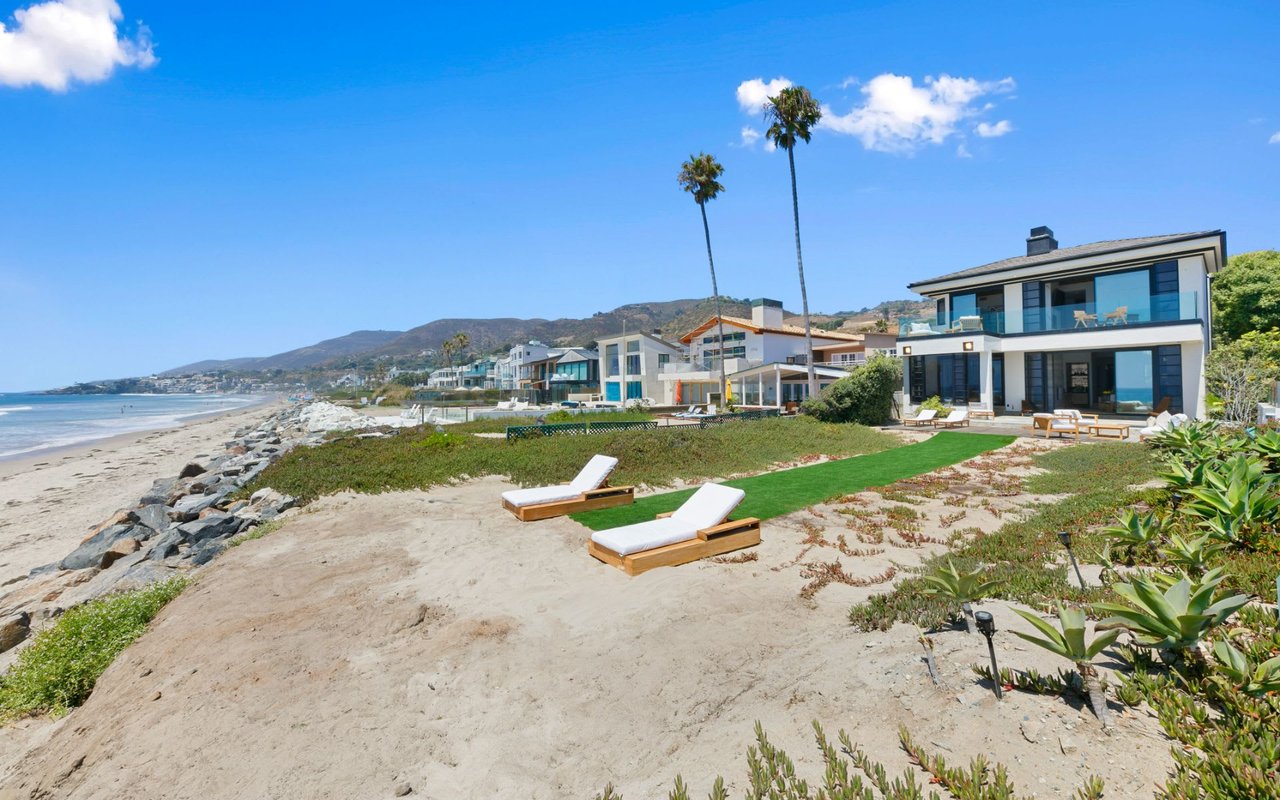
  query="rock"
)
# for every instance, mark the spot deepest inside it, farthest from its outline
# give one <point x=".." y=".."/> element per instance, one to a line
<point x="91" y="551"/>
<point x="207" y="552"/>
<point x="121" y="517"/>
<point x="189" y="507"/>
<point x="214" y="526"/>
<point x="156" y="695"/>
<point x="403" y="789"/>
<point x="159" y="492"/>
<point x="153" y="515"/>
<point x="191" y="470"/>
<point x="120" y="549"/>
<point x="166" y="545"/>
<point x="1031" y="731"/>
<point x="13" y="629"/>
<point x="1067" y="745"/>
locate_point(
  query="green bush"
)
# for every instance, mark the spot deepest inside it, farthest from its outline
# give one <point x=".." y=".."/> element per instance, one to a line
<point x="1246" y="294"/>
<point x="935" y="404"/>
<point x="865" y="396"/>
<point x="59" y="668"/>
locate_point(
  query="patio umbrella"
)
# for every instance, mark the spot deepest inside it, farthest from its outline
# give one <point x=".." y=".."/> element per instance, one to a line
<point x="728" y="392"/>
<point x="678" y="393"/>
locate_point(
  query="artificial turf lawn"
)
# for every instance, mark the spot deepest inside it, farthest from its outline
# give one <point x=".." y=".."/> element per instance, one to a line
<point x="776" y="493"/>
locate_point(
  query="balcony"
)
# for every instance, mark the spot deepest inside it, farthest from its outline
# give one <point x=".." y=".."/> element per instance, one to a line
<point x="985" y="322"/>
<point x="1115" y="312"/>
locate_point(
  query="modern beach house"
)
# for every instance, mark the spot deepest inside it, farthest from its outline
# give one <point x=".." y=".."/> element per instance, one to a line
<point x="1117" y="327"/>
<point x="630" y="365"/>
<point x="765" y="359"/>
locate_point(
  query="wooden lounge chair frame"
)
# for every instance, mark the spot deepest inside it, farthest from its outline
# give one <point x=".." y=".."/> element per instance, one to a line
<point x="945" y="422"/>
<point x="916" y="422"/>
<point x="605" y="497"/>
<point x="714" y="541"/>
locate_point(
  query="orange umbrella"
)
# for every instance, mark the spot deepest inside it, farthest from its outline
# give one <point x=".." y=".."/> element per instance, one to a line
<point x="678" y="393"/>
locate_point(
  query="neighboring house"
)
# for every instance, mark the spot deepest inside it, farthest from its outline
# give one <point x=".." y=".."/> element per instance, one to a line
<point x="576" y="371"/>
<point x="765" y="359"/>
<point x="1116" y="327"/>
<point x="630" y="366"/>
<point x="445" y="378"/>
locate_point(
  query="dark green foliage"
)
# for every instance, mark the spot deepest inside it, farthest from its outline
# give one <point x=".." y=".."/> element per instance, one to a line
<point x="864" y="396"/>
<point x="57" y="671"/>
<point x="1246" y="294"/>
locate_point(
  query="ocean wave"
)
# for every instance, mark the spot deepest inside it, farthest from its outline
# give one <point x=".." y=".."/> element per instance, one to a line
<point x="7" y="409"/>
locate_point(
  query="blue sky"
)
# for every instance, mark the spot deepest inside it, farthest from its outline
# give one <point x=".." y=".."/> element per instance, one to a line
<point x="243" y="178"/>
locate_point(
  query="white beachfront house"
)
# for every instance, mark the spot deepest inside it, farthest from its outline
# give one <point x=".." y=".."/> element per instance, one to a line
<point x="631" y="365"/>
<point x="1118" y="327"/>
<point x="765" y="359"/>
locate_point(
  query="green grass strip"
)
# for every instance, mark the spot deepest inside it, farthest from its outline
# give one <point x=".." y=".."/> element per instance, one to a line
<point x="776" y="493"/>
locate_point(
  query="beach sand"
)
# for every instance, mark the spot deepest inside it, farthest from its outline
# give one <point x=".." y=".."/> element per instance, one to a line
<point x="430" y="639"/>
<point x="50" y="500"/>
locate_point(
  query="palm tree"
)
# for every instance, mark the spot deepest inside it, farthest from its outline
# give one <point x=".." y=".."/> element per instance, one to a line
<point x="461" y="341"/>
<point x="698" y="176"/>
<point x="792" y="115"/>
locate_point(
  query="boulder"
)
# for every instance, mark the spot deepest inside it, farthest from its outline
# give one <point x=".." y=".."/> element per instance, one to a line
<point x="154" y="516"/>
<point x="214" y="526"/>
<point x="206" y="552"/>
<point x="189" y="507"/>
<point x="119" y="550"/>
<point x="13" y="629"/>
<point x="191" y="470"/>
<point x="159" y="492"/>
<point x="91" y="551"/>
<point x="166" y="545"/>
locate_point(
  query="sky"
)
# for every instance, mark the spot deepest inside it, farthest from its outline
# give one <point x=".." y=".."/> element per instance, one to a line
<point x="181" y="181"/>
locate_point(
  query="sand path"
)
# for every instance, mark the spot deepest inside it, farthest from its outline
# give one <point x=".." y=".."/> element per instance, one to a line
<point x="430" y="639"/>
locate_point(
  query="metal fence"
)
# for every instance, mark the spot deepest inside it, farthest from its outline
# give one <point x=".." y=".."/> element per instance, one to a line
<point x="515" y="432"/>
<point x="719" y="419"/>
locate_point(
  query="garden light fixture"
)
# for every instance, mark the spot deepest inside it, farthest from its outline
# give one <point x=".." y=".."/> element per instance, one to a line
<point x="1065" y="538"/>
<point x="987" y="627"/>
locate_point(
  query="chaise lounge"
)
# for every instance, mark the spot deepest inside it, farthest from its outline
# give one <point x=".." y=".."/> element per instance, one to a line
<point x="589" y="491"/>
<point x="959" y="417"/>
<point x="925" y="417"/>
<point x="698" y="529"/>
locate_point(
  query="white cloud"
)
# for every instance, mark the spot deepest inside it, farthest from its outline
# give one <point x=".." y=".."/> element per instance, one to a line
<point x="898" y="116"/>
<point x="988" y="131"/>
<point x="750" y="136"/>
<point x="1275" y="138"/>
<point x="849" y="81"/>
<point x="753" y="94"/>
<point x="58" y="42"/>
<point x="962" y="151"/>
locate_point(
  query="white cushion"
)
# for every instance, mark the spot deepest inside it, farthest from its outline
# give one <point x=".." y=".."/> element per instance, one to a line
<point x="709" y="506"/>
<point x="594" y="474"/>
<point x="1070" y="413"/>
<point x="539" y="495"/>
<point x="1062" y="425"/>
<point x="1178" y="420"/>
<point x="926" y="415"/>
<point x="1164" y="420"/>
<point x="645" y="535"/>
<point x="957" y="415"/>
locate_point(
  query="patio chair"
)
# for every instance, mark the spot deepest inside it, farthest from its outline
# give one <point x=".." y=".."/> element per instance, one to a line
<point x="1051" y="425"/>
<point x="589" y="491"/>
<point x="1084" y="319"/>
<point x="698" y="529"/>
<point x="919" y="329"/>
<point x="1118" y="317"/>
<point x="981" y="410"/>
<point x="1163" y="405"/>
<point x="971" y="323"/>
<point x="1075" y="414"/>
<point x="925" y="417"/>
<point x="959" y="417"/>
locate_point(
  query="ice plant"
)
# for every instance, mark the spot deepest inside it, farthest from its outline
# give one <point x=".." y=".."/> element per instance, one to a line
<point x="1070" y="643"/>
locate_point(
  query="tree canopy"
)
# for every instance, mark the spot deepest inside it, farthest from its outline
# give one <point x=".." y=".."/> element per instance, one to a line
<point x="1246" y="294"/>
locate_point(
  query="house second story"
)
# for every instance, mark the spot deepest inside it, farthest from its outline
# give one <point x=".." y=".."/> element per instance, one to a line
<point x="765" y="338"/>
<point x="1119" y="286"/>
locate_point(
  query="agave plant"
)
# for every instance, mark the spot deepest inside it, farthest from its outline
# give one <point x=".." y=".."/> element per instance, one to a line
<point x="962" y="588"/>
<point x="1175" y="618"/>
<point x="1180" y="476"/>
<point x="1134" y="532"/>
<point x="1181" y="440"/>
<point x="1192" y="556"/>
<point x="1240" y="505"/>
<point x="1266" y="444"/>
<point x="1256" y="680"/>
<point x="1070" y="644"/>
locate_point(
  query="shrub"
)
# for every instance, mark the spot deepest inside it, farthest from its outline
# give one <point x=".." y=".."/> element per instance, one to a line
<point x="935" y="404"/>
<point x="1242" y="373"/>
<point x="864" y="396"/>
<point x="58" y="670"/>
<point x="1246" y="294"/>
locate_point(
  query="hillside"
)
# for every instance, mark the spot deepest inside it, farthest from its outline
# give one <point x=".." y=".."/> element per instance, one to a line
<point x="672" y="318"/>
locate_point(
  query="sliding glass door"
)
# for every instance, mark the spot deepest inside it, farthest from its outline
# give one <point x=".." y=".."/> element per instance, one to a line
<point x="1135" y="381"/>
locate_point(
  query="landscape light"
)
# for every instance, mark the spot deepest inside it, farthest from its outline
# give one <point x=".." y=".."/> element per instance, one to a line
<point x="987" y="627"/>
<point x="1065" y="538"/>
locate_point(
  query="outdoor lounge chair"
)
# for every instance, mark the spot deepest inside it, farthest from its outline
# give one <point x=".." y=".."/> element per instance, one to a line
<point x="1075" y="414"/>
<point x="698" y="529"/>
<point x="1118" y="317"/>
<point x="692" y="412"/>
<point x="1051" y="425"/>
<point x="959" y="417"/>
<point x="1162" y="423"/>
<point x="1084" y="319"/>
<point x="925" y="417"/>
<point x="589" y="491"/>
<point x="981" y="410"/>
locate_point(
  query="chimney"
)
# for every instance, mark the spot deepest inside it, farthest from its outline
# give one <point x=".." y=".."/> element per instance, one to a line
<point x="766" y="313"/>
<point x="1041" y="241"/>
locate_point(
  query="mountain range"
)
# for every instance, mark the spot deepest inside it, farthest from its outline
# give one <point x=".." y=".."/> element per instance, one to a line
<point x="671" y="318"/>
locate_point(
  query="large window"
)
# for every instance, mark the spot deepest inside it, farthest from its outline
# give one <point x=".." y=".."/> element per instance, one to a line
<point x="633" y="365"/>
<point x="1123" y="297"/>
<point x="634" y="391"/>
<point x="1135" y="381"/>
<point x="573" y="371"/>
<point x="611" y="360"/>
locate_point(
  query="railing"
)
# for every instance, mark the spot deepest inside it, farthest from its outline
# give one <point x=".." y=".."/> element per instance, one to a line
<point x="515" y="432"/>
<point x="984" y="322"/>
<point x="738" y="416"/>
<point x="1107" y="312"/>
<point x="681" y="367"/>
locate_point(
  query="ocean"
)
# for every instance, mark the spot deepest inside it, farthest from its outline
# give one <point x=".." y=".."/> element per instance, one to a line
<point x="30" y="423"/>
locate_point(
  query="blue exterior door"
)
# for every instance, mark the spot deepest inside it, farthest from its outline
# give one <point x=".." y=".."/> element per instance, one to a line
<point x="613" y="391"/>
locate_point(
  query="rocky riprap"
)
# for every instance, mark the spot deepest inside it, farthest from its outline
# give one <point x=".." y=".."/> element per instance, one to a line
<point x="179" y="525"/>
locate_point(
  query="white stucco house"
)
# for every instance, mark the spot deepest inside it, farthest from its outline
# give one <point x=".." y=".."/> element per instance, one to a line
<point x="1117" y="327"/>
<point x="631" y="363"/>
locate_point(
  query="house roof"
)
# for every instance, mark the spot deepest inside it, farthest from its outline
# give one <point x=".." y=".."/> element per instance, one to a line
<point x="1066" y="254"/>
<point x="786" y="330"/>
<point x="645" y="334"/>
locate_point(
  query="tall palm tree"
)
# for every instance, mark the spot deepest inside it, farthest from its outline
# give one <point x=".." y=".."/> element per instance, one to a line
<point x="699" y="176"/>
<point x="461" y="341"/>
<point x="791" y="116"/>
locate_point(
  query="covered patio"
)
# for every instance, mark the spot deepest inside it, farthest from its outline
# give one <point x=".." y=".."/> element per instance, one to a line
<point x="778" y="384"/>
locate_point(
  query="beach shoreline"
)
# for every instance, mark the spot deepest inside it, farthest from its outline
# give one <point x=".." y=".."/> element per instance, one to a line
<point x="51" y="498"/>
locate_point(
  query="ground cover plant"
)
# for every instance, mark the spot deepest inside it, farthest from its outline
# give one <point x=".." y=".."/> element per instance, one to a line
<point x="422" y="458"/>
<point x="782" y="492"/>
<point x="57" y="671"/>
<point x="500" y="424"/>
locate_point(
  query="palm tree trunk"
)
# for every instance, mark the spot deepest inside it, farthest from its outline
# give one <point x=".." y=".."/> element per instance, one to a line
<point x="715" y="292"/>
<point x="1097" y="697"/>
<point x="804" y="293"/>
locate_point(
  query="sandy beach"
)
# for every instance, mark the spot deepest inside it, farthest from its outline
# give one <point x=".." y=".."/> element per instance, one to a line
<point x="429" y="640"/>
<point x="50" y="500"/>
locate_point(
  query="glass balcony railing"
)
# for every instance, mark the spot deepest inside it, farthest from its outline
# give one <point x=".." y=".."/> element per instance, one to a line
<point x="1106" y="312"/>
